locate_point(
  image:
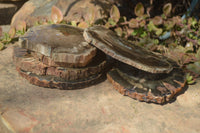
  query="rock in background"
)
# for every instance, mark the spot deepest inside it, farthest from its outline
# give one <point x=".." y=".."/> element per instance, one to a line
<point x="39" y="11"/>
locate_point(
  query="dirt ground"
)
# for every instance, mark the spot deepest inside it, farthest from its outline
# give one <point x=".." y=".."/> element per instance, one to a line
<point x="26" y="108"/>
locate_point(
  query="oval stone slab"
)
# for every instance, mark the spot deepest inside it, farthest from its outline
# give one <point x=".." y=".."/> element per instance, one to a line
<point x="144" y="86"/>
<point x="62" y="43"/>
<point x="122" y="50"/>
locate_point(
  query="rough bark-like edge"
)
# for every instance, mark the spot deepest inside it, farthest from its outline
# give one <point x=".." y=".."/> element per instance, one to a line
<point x="61" y="85"/>
<point x="92" y="40"/>
<point x="149" y="98"/>
<point x="33" y="65"/>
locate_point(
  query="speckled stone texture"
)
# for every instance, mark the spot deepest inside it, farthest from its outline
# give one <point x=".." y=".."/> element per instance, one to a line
<point x="99" y="108"/>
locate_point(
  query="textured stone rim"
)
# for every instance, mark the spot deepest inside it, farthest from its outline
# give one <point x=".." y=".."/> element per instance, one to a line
<point x="54" y="82"/>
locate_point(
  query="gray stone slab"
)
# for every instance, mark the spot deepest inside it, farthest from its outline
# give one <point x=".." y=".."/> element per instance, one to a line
<point x="100" y="109"/>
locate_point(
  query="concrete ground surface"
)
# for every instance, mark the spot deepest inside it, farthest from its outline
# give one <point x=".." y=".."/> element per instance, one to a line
<point x="25" y="108"/>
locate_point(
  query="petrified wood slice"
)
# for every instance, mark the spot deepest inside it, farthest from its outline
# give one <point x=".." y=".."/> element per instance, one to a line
<point x="55" y="82"/>
<point x="50" y="62"/>
<point x="124" y="51"/>
<point x="145" y="86"/>
<point x="62" y="43"/>
<point x="26" y="62"/>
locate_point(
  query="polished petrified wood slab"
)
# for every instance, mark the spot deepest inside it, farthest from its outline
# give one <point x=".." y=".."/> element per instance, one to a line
<point x="60" y="83"/>
<point x="138" y="73"/>
<point x="145" y="86"/>
<point x="58" y="77"/>
<point x="61" y="43"/>
<point x="58" y="56"/>
<point x="122" y="50"/>
<point x="26" y="62"/>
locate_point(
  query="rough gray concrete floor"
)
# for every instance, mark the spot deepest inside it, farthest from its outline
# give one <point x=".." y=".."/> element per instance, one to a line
<point x="26" y="108"/>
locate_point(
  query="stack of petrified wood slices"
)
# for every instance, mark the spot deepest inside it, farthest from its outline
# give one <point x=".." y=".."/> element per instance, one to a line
<point x="66" y="57"/>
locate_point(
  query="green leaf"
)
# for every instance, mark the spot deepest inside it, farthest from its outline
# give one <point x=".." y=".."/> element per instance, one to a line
<point x="155" y="41"/>
<point x="1" y="46"/>
<point x="114" y="14"/>
<point x="190" y="82"/>
<point x="134" y="33"/>
<point x="6" y="38"/>
<point x="74" y="23"/>
<point x="19" y="32"/>
<point x="118" y="30"/>
<point x="184" y="21"/>
<point x="189" y="79"/>
<point x="107" y="25"/>
<point x="112" y="22"/>
<point x="144" y="34"/>
<point x="167" y="9"/>
<point x="192" y="21"/>
<point x="152" y="27"/>
<point x="158" y="31"/>
<point x="194" y="67"/>
<point x="139" y="9"/>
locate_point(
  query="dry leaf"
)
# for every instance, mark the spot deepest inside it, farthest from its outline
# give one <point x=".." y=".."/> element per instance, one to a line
<point x="133" y="23"/>
<point x="139" y="9"/>
<point x="83" y="25"/>
<point x="56" y="15"/>
<point x="167" y="9"/>
<point x="114" y="13"/>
